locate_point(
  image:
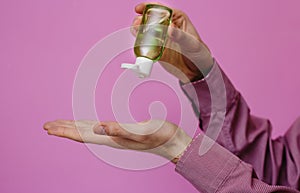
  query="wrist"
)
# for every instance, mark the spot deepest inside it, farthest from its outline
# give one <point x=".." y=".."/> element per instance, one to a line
<point x="174" y="148"/>
<point x="179" y="146"/>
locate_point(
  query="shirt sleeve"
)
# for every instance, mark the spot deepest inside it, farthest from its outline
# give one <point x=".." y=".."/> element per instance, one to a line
<point x="275" y="161"/>
<point x="220" y="171"/>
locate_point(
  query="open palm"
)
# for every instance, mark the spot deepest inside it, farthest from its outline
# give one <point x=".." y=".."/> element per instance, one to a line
<point x="155" y="136"/>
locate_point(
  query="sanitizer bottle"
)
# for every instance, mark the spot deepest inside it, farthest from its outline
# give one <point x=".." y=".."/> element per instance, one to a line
<point x="150" y="39"/>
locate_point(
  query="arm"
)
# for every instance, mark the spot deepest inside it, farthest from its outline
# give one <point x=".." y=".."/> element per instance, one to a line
<point x="220" y="171"/>
<point x="171" y="140"/>
<point x="274" y="161"/>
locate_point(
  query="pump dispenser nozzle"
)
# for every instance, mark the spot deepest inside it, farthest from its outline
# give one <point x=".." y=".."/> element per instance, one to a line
<point x="142" y="66"/>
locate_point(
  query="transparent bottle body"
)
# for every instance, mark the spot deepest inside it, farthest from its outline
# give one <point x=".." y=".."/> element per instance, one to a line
<point x="152" y="33"/>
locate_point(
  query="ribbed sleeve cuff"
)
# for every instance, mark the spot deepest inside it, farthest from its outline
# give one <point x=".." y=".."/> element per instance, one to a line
<point x="206" y="172"/>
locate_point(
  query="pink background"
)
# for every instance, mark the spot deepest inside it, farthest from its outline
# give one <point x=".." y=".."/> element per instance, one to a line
<point x="42" y="43"/>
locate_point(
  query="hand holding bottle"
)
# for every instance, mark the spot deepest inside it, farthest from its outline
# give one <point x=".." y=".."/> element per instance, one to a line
<point x="185" y="56"/>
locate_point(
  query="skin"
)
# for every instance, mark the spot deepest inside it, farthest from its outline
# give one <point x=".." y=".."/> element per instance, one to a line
<point x="183" y="38"/>
<point x="156" y="136"/>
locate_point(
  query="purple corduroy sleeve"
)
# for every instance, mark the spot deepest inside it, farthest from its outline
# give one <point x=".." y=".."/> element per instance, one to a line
<point x="245" y="158"/>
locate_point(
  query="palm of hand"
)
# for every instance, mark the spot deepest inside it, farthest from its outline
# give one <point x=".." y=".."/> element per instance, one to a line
<point x="155" y="136"/>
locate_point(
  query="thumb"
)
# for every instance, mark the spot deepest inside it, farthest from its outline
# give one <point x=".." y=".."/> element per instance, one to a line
<point x="99" y="129"/>
<point x="136" y="132"/>
<point x="112" y="129"/>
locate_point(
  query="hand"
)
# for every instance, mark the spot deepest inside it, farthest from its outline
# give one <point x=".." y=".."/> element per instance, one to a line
<point x="185" y="56"/>
<point x="155" y="136"/>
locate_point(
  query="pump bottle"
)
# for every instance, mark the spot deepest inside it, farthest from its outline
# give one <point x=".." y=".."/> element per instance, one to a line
<point x="150" y="39"/>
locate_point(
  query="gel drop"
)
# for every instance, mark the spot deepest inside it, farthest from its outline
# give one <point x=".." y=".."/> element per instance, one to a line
<point x="150" y="39"/>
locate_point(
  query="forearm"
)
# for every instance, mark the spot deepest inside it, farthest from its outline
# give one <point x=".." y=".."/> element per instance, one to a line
<point x="248" y="137"/>
<point x="219" y="170"/>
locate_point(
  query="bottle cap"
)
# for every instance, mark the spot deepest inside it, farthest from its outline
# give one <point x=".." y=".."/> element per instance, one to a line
<point x="142" y="66"/>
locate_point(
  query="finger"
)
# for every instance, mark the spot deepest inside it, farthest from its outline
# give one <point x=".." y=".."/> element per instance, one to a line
<point x="113" y="129"/>
<point x="140" y="7"/>
<point x="171" y="31"/>
<point x="64" y="121"/>
<point x="47" y="125"/>
<point x="137" y="132"/>
<point x="116" y="130"/>
<point x="135" y="25"/>
<point x="117" y="137"/>
<point x="65" y="132"/>
<point x="99" y="129"/>
<point x="59" y="122"/>
<point x="137" y="20"/>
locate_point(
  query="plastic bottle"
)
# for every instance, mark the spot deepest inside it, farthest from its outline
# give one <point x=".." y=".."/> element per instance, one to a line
<point x="150" y="39"/>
